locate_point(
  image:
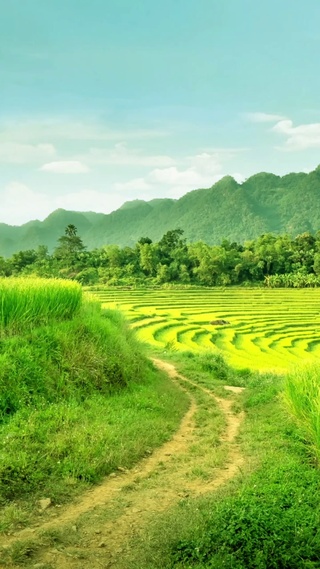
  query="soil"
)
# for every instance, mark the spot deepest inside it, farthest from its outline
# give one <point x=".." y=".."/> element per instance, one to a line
<point x="93" y="532"/>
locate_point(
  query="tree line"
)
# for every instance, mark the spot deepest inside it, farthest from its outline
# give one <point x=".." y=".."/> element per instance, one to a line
<point x="275" y="260"/>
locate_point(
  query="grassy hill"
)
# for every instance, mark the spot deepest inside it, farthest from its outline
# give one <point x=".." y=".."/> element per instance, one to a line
<point x="228" y="210"/>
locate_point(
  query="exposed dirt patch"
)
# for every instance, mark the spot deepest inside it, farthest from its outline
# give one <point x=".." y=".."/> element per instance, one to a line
<point x="93" y="532"/>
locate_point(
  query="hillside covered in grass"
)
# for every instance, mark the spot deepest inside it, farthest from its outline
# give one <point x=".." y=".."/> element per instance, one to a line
<point x="78" y="398"/>
<point x="228" y="210"/>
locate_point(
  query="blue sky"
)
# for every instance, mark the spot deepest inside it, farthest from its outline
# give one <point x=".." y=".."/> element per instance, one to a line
<point x="112" y="100"/>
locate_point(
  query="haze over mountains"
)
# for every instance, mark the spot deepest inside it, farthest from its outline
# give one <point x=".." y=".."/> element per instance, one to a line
<point x="228" y="210"/>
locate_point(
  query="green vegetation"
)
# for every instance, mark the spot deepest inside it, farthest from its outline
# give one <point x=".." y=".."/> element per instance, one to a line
<point x="263" y="204"/>
<point x="302" y="395"/>
<point x="78" y="398"/>
<point x="272" y="260"/>
<point x="264" y="328"/>
<point x="266" y="518"/>
<point x="28" y="302"/>
<point x="66" y="361"/>
<point x="57" y="449"/>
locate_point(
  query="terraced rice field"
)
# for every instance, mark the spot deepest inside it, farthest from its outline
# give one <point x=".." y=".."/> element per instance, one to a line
<point x="268" y="329"/>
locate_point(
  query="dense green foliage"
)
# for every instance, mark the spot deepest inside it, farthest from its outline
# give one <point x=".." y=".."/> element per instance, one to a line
<point x="264" y="203"/>
<point x="276" y="261"/>
<point x="270" y="523"/>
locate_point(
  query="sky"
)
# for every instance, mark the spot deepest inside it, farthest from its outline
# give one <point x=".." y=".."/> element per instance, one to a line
<point x="107" y="101"/>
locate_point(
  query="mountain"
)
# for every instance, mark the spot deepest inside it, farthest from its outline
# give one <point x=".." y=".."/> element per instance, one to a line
<point x="228" y="210"/>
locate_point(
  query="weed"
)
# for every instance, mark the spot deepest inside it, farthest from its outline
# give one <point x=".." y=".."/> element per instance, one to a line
<point x="20" y="552"/>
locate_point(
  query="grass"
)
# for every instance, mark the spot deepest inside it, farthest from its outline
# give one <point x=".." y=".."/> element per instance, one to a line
<point x="55" y="450"/>
<point x="30" y="302"/>
<point x="266" y="518"/>
<point x="67" y="360"/>
<point x="302" y="396"/>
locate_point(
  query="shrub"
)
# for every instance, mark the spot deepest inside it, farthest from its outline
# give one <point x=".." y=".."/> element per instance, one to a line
<point x="269" y="525"/>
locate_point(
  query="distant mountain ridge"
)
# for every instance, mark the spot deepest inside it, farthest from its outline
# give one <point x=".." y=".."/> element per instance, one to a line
<point x="228" y="210"/>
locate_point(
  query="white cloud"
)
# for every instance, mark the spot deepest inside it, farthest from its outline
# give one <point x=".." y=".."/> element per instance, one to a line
<point x="202" y="171"/>
<point x="298" y="137"/>
<point x="263" y="117"/>
<point x="31" y="204"/>
<point x="121" y="155"/>
<point x="66" y="129"/>
<point x="198" y="171"/>
<point x="65" y="167"/>
<point x="38" y="205"/>
<point x="16" y="153"/>
<point x="173" y="176"/>
<point x="89" y="200"/>
<point x="240" y="178"/>
<point x="135" y="185"/>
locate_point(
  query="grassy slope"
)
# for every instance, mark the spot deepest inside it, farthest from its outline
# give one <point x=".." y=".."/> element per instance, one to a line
<point x="268" y="517"/>
<point x="78" y="400"/>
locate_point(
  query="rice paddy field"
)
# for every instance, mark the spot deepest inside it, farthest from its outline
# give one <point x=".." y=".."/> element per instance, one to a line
<point x="268" y="329"/>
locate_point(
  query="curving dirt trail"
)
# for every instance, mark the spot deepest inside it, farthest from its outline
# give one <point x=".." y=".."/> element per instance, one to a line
<point x="94" y="531"/>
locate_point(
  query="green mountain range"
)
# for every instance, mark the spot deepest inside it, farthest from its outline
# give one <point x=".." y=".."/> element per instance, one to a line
<point x="228" y="210"/>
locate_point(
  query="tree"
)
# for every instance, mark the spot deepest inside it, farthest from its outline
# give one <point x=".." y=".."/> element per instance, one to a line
<point x="148" y="259"/>
<point x="70" y="246"/>
<point x="22" y="259"/>
<point x="172" y="251"/>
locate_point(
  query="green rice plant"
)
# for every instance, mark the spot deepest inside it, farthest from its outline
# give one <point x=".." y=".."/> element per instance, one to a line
<point x="29" y="302"/>
<point x="268" y="330"/>
<point x="302" y="397"/>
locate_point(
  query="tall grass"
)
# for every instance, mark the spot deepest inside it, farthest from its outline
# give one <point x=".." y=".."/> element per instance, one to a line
<point x="302" y="396"/>
<point x="29" y="302"/>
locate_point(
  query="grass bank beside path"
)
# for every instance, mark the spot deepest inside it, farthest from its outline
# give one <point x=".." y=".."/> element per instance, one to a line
<point x="268" y="517"/>
<point x="79" y="399"/>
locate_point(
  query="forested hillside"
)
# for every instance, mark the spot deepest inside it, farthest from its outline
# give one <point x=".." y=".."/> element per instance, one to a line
<point x="263" y="203"/>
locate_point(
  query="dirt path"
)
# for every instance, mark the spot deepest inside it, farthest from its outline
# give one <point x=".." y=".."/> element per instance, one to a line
<point x="93" y="532"/>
